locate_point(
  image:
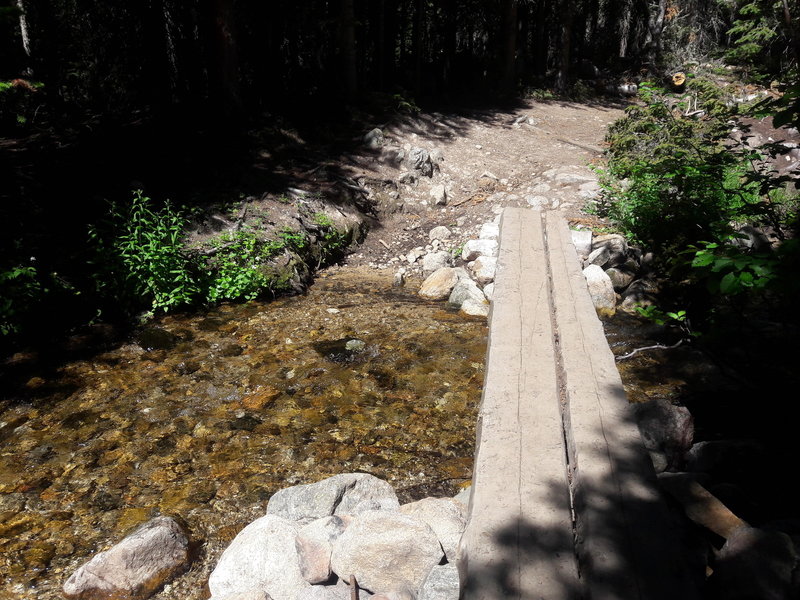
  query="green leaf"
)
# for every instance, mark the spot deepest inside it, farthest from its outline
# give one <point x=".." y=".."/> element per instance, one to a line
<point x="729" y="284"/>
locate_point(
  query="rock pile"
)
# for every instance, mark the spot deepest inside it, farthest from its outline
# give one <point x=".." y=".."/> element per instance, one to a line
<point x="467" y="288"/>
<point x="318" y="540"/>
<point x="616" y="273"/>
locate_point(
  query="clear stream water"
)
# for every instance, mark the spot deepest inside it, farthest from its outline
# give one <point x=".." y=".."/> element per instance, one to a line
<point x="207" y="415"/>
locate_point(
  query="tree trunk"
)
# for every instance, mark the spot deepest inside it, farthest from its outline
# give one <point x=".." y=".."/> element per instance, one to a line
<point x="625" y="28"/>
<point x="347" y="41"/>
<point x="566" y="41"/>
<point x="224" y="90"/>
<point x="23" y="30"/>
<point x="419" y="8"/>
<point x="655" y="27"/>
<point x="510" y="26"/>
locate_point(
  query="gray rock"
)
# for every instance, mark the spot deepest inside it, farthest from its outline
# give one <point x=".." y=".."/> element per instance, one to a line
<point x="537" y="202"/>
<point x="420" y="160"/>
<point x="465" y="289"/>
<point x="665" y="428"/>
<point x="484" y="268"/>
<point x="386" y="551"/>
<point x="437" y="156"/>
<point x="620" y="278"/>
<point x="434" y="261"/>
<point x="439" y="284"/>
<point x="314" y="543"/>
<point x="415" y="254"/>
<point x="374" y="138"/>
<point x="582" y="240"/>
<point x="540" y="188"/>
<point x="613" y="241"/>
<point x="475" y="248"/>
<point x="445" y="516"/>
<point x="262" y="556"/>
<point x="488" y="291"/>
<point x="599" y="256"/>
<point x="570" y="178"/>
<point x="442" y="583"/>
<point x="438" y="195"/>
<point x="135" y="567"/>
<point x="440" y="233"/>
<point x="641" y="292"/>
<point x="489" y="231"/>
<point x="725" y="456"/>
<point x="345" y="494"/>
<point x="600" y="290"/>
<point x="407" y="178"/>
<point x="754" y="563"/>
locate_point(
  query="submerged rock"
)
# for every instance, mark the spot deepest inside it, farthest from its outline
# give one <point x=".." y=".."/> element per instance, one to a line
<point x="134" y="568"/>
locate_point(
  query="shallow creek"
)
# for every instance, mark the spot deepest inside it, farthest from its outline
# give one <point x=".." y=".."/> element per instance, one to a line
<point x="208" y="415"/>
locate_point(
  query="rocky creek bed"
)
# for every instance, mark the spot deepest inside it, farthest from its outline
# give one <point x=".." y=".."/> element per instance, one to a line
<point x="205" y="417"/>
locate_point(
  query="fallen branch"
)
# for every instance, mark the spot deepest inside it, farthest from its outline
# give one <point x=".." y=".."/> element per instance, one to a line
<point x="653" y="347"/>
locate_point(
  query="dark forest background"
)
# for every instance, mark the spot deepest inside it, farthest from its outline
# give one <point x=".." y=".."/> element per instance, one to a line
<point x="99" y="98"/>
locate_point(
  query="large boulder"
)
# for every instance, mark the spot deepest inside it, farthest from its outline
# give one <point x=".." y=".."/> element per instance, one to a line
<point x="601" y="290"/>
<point x="666" y="428"/>
<point x="386" y="551"/>
<point x="620" y="277"/>
<point x="445" y="516"/>
<point x="261" y="557"/>
<point x="582" y="240"/>
<point x="314" y="543"/>
<point x="439" y="284"/>
<point x="440" y="232"/>
<point x="135" y="567"/>
<point x="755" y="563"/>
<point x="345" y="494"/>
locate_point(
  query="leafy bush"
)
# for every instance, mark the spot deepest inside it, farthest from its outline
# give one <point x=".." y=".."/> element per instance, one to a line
<point x="140" y="256"/>
<point x="671" y="180"/>
<point x="19" y="287"/>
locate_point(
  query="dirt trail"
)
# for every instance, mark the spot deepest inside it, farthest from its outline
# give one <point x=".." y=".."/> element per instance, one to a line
<point x="538" y="154"/>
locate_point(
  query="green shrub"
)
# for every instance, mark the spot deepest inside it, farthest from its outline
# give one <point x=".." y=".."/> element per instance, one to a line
<point x="19" y="287"/>
<point x="140" y="256"/>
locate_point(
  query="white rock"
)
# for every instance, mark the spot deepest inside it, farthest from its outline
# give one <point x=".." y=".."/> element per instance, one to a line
<point x="313" y="544"/>
<point x="263" y="557"/>
<point x="537" y="201"/>
<point x="439" y="195"/>
<point x="475" y="308"/>
<point x="345" y="494"/>
<point x="135" y="567"/>
<point x="415" y="254"/>
<point x="253" y="594"/>
<point x="434" y="261"/>
<point x="568" y="178"/>
<point x="447" y="518"/>
<point x="582" y="241"/>
<point x="386" y="551"/>
<point x="440" y="233"/>
<point x="489" y="231"/>
<point x="442" y="583"/>
<point x="484" y="268"/>
<point x="466" y="289"/>
<point x="463" y="496"/>
<point x="601" y="290"/>
<point x="488" y="291"/>
<point x="475" y="248"/>
<point x="439" y="284"/>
